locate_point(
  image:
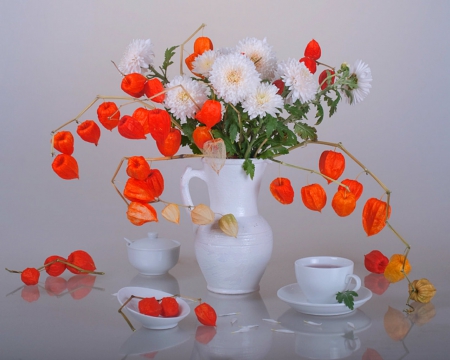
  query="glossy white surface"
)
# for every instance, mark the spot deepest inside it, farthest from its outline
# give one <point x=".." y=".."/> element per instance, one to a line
<point x="294" y="296"/>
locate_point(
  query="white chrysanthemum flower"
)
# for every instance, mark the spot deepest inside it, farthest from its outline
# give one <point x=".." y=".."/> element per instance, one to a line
<point x="297" y="77"/>
<point x="203" y="63"/>
<point x="138" y="56"/>
<point x="264" y="100"/>
<point x="234" y="77"/>
<point x="363" y="76"/>
<point x="182" y="100"/>
<point x="260" y="52"/>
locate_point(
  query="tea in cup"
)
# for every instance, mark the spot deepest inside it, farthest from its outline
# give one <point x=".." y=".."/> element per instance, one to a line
<point x="321" y="277"/>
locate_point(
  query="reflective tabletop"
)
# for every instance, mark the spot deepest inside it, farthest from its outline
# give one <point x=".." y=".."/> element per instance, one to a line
<point x="76" y="317"/>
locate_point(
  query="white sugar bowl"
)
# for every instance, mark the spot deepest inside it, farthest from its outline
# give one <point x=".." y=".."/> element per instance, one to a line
<point x="153" y="255"/>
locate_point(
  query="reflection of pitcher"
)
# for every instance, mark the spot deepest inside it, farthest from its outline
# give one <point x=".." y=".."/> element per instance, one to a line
<point x="334" y="338"/>
<point x="231" y="265"/>
<point x="225" y="343"/>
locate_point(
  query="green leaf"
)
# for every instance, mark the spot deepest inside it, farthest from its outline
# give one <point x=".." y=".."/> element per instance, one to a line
<point x="249" y="168"/>
<point x="168" y="54"/>
<point x="305" y="131"/>
<point x="271" y="125"/>
<point x="347" y="297"/>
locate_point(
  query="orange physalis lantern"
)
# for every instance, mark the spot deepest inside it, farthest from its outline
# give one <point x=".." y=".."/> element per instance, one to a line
<point x="152" y="87"/>
<point x="393" y="271"/>
<point x="139" y="213"/>
<point x="138" y="190"/>
<point x="57" y="268"/>
<point x="130" y="128"/>
<point x="374" y="216"/>
<point x="210" y="113"/>
<point x="201" y="135"/>
<point x="206" y="314"/>
<point x="81" y="259"/>
<point x="202" y="44"/>
<point x="155" y="182"/>
<point x="159" y="124"/>
<point x="324" y="75"/>
<point x="30" y="276"/>
<point x="343" y="203"/>
<point x="313" y="50"/>
<point x="63" y="142"/>
<point x="141" y="115"/>
<point x="138" y="168"/>
<point x="356" y="188"/>
<point x="310" y="64"/>
<point x="170" y="307"/>
<point x="331" y="164"/>
<point x="170" y="145"/>
<point x="280" y="85"/>
<point x="133" y="84"/>
<point x="314" y="197"/>
<point x="150" y="306"/>
<point x="65" y="166"/>
<point x="108" y="114"/>
<point x="89" y="131"/>
<point x="282" y="190"/>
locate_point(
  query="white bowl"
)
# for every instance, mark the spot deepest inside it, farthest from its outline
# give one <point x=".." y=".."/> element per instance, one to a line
<point x="150" y="322"/>
<point x="153" y="255"/>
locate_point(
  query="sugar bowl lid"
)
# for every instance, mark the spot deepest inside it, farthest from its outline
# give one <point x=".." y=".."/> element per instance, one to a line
<point x="152" y="242"/>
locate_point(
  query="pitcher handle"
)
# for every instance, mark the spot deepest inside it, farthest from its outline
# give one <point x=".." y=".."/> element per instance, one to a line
<point x="188" y="174"/>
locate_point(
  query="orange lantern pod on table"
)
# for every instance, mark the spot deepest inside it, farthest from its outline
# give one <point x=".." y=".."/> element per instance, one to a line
<point x="281" y="189"/>
<point x="133" y="84"/>
<point x="138" y="191"/>
<point x="108" y="114"/>
<point x="206" y="314"/>
<point x="89" y="131"/>
<point x="331" y="164"/>
<point x="130" y="128"/>
<point x="314" y="197"/>
<point x="374" y="216"/>
<point x="159" y="124"/>
<point x="201" y="135"/>
<point x="56" y="268"/>
<point x="210" y="113"/>
<point x="81" y="259"/>
<point x="65" y="166"/>
<point x="30" y="276"/>
<point x="138" y="168"/>
<point x="63" y="142"/>
<point x="171" y="144"/>
<point x="140" y="213"/>
<point x="152" y="87"/>
<point x="141" y="115"/>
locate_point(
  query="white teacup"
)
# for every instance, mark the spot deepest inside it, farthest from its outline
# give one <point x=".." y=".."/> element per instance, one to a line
<point x="321" y="277"/>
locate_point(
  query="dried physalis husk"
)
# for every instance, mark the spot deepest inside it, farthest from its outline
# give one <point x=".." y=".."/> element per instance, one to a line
<point x="422" y="290"/>
<point x="215" y="154"/>
<point x="202" y="215"/>
<point x="171" y="213"/>
<point x="229" y="225"/>
<point x="396" y="324"/>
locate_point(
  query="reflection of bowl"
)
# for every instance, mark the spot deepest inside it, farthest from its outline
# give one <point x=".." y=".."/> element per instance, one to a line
<point x="150" y="322"/>
<point x="144" y="341"/>
<point x="334" y="338"/>
<point x="153" y="255"/>
<point x="165" y="282"/>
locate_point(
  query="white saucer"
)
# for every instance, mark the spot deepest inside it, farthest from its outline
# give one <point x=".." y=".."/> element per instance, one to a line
<point x="292" y="295"/>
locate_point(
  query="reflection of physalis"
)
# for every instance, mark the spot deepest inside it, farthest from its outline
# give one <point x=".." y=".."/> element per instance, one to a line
<point x="422" y="314"/>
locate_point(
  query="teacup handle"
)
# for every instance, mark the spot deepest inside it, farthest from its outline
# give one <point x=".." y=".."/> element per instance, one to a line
<point x="357" y="280"/>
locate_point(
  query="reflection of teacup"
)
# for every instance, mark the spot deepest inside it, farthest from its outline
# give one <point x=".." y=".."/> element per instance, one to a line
<point x="321" y="277"/>
<point x="237" y="311"/>
<point x="332" y="337"/>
